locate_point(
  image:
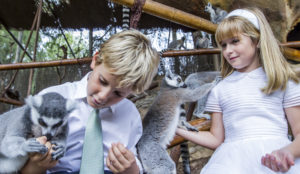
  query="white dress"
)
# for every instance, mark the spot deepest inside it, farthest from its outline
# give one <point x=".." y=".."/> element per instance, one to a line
<point x="254" y="123"/>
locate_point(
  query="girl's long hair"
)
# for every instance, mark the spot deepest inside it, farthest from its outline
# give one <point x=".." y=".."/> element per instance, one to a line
<point x="277" y="69"/>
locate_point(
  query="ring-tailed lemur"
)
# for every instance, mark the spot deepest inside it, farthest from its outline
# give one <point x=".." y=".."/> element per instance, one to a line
<point x="161" y="120"/>
<point x="184" y="147"/>
<point x="174" y="45"/>
<point x="177" y="44"/>
<point x="192" y="81"/>
<point x="125" y="17"/>
<point x="42" y="115"/>
<point x="216" y="16"/>
<point x="199" y="78"/>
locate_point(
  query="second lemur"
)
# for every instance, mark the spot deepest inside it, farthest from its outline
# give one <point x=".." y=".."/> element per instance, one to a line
<point x="161" y="121"/>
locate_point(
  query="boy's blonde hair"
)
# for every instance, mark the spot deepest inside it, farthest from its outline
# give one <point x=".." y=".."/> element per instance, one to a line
<point x="277" y="69"/>
<point x="131" y="58"/>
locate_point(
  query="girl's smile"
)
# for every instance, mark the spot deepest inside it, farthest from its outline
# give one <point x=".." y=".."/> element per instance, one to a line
<point x="241" y="53"/>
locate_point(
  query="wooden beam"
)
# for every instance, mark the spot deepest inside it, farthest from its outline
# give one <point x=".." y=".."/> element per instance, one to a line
<point x="173" y="14"/>
<point x="291" y="44"/>
<point x="11" y="101"/>
<point x="290" y="53"/>
<point x="45" y="64"/>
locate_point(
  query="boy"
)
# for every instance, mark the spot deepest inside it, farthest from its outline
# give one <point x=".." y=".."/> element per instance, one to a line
<point x="125" y="64"/>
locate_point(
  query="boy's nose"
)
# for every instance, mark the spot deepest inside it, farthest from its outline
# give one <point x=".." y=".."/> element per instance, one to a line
<point x="104" y="95"/>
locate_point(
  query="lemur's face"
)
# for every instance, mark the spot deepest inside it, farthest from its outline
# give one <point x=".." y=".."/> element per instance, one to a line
<point x="49" y="114"/>
<point x="174" y="80"/>
<point x="102" y="88"/>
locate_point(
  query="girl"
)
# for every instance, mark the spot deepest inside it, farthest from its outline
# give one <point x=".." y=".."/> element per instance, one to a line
<point x="253" y="104"/>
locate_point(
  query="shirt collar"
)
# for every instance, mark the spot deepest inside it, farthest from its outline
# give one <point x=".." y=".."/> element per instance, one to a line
<point x="235" y="76"/>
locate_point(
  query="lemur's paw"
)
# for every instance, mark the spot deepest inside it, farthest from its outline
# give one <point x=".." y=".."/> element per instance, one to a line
<point x="32" y="145"/>
<point x="187" y="126"/>
<point x="59" y="151"/>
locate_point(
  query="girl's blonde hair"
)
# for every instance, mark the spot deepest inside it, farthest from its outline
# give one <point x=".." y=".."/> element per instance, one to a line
<point x="131" y="58"/>
<point x="277" y="69"/>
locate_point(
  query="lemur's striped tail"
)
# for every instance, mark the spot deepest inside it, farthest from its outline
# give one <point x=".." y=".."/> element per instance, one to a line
<point x="184" y="148"/>
<point x="125" y="17"/>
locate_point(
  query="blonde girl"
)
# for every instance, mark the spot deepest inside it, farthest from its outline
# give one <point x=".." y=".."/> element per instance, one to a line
<point x="253" y="104"/>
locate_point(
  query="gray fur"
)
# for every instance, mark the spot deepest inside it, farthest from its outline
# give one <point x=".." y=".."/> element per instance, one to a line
<point x="177" y="44"/>
<point x="20" y="127"/>
<point x="161" y="120"/>
<point x="199" y="78"/>
<point x="184" y="148"/>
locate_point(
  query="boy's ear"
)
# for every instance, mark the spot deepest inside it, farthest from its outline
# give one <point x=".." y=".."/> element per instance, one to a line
<point x="93" y="64"/>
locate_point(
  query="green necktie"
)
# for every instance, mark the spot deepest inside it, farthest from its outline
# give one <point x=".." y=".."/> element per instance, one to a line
<point x="92" y="161"/>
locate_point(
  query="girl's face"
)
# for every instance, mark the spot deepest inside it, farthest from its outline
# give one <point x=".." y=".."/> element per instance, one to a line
<point x="102" y="88"/>
<point x="241" y="53"/>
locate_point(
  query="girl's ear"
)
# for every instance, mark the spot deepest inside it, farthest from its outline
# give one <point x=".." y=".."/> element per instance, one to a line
<point x="257" y="42"/>
<point x="94" y="59"/>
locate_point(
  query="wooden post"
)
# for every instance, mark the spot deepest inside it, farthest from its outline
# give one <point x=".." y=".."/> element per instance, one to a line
<point x="174" y="15"/>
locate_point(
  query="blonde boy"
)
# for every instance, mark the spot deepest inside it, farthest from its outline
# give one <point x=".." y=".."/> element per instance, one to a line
<point x="125" y="64"/>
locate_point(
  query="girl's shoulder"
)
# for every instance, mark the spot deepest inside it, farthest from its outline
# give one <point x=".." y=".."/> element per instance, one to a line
<point x="292" y="94"/>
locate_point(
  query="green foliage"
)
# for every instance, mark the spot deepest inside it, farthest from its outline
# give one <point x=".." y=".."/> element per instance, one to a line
<point x="51" y="45"/>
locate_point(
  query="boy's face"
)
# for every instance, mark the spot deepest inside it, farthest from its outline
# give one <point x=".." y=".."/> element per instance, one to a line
<point x="102" y="88"/>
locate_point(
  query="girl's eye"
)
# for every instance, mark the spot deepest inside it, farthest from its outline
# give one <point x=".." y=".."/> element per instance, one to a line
<point x="235" y="41"/>
<point x="223" y="45"/>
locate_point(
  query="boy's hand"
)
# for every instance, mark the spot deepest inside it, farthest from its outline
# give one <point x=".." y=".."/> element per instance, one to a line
<point x="44" y="160"/>
<point x="39" y="163"/>
<point x="279" y="160"/>
<point x="121" y="160"/>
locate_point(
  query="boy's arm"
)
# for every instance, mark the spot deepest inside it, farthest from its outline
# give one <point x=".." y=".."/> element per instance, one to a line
<point x="210" y="139"/>
<point x="39" y="163"/>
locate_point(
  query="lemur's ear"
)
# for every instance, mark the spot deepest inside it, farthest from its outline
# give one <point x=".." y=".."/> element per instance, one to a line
<point x="34" y="101"/>
<point x="168" y="73"/>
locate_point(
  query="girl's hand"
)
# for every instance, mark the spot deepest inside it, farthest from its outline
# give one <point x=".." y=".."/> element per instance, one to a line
<point x="279" y="161"/>
<point x="121" y="160"/>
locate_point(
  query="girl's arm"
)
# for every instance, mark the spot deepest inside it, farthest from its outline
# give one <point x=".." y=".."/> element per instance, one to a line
<point x="210" y="139"/>
<point x="283" y="159"/>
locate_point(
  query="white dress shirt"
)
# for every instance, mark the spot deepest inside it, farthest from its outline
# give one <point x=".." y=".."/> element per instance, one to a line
<point x="121" y="122"/>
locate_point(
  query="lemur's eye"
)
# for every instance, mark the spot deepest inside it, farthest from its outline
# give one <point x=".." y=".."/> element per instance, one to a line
<point x="178" y="80"/>
<point x="58" y="124"/>
<point x="42" y="123"/>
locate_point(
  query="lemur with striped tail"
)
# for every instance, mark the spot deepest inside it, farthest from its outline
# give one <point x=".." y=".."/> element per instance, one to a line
<point x="125" y="17"/>
<point x="161" y="121"/>
<point x="193" y="81"/>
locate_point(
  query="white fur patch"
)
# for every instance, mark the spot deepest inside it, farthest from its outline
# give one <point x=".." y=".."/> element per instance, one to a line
<point x="37" y="100"/>
<point x="50" y="123"/>
<point x="171" y="82"/>
<point x="34" y="115"/>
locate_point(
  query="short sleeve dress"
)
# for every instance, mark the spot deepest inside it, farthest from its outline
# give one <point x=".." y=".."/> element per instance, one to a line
<point x="254" y="123"/>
